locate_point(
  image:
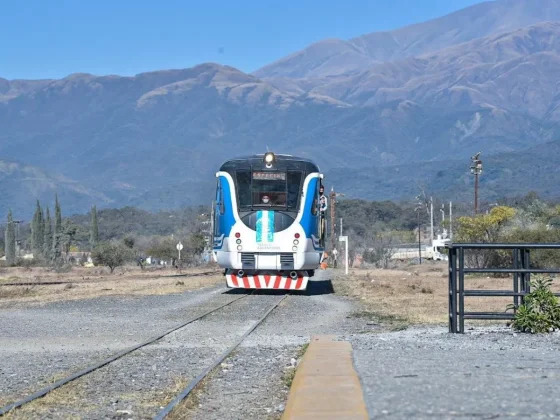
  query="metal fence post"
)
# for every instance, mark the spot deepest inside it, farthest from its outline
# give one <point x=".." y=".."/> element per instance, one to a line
<point x="515" y="279"/>
<point x="521" y="270"/>
<point x="528" y="266"/>
<point x="451" y="256"/>
<point x="453" y="290"/>
<point x="461" y="290"/>
<point x="522" y="275"/>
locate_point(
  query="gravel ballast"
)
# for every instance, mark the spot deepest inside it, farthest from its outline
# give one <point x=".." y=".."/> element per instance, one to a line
<point x="425" y="372"/>
<point x="140" y="383"/>
<point x="42" y="343"/>
<point x="420" y="372"/>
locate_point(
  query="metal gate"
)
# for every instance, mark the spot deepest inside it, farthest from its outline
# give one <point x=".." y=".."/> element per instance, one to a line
<point x="521" y="271"/>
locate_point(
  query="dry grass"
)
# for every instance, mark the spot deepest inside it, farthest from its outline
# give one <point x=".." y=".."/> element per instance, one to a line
<point x="86" y="283"/>
<point x="69" y="396"/>
<point x="290" y="372"/>
<point x="417" y="294"/>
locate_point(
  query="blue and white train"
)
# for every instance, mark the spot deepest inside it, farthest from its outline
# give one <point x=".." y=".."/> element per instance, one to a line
<point x="268" y="232"/>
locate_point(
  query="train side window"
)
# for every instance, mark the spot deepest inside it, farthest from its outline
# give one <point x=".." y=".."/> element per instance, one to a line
<point x="315" y="207"/>
<point x="220" y="197"/>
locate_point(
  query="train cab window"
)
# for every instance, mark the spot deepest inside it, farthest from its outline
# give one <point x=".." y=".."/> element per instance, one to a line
<point x="268" y="189"/>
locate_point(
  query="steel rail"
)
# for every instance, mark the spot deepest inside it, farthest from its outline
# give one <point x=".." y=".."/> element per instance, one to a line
<point x="167" y="410"/>
<point x="78" y="282"/>
<point x="59" y="383"/>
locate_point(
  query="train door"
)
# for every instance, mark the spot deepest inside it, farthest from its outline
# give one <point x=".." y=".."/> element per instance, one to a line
<point x="322" y="221"/>
<point x="318" y="221"/>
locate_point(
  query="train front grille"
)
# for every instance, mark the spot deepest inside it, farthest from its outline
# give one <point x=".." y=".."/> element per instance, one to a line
<point x="247" y="260"/>
<point x="286" y="261"/>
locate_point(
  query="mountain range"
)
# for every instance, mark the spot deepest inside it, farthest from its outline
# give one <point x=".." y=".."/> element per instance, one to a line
<point x="379" y="113"/>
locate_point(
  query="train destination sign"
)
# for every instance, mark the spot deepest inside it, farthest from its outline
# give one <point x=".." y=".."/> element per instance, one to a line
<point x="269" y="176"/>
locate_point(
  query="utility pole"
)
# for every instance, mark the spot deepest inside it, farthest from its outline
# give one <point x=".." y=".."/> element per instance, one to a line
<point x="333" y="218"/>
<point x="419" y="241"/>
<point x="418" y="209"/>
<point x="345" y="239"/>
<point x="476" y="170"/>
<point x="333" y="196"/>
<point x="431" y="222"/>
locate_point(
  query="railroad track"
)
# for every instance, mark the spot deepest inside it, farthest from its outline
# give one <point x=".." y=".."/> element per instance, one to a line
<point x="54" y="283"/>
<point x="183" y="394"/>
<point x="190" y="387"/>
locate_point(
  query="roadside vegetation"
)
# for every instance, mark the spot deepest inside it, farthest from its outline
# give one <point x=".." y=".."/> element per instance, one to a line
<point x="110" y="246"/>
<point x="404" y="292"/>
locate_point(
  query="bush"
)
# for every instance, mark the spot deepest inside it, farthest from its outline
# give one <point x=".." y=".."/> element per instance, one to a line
<point x="112" y="255"/>
<point x="540" y="312"/>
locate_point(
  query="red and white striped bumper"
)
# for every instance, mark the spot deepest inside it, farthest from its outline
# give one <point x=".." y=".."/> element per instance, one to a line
<point x="267" y="281"/>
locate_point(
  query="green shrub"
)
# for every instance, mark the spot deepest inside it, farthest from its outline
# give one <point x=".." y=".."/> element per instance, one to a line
<point x="540" y="312"/>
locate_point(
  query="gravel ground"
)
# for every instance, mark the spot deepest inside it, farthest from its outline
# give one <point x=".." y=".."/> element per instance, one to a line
<point x="421" y="372"/>
<point x="137" y="385"/>
<point x="40" y="343"/>
<point x="254" y="383"/>
<point x="485" y="373"/>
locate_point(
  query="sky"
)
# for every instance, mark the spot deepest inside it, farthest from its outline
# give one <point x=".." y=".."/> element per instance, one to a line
<point x="47" y="39"/>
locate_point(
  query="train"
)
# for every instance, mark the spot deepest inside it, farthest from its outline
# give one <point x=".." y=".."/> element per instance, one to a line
<point x="268" y="230"/>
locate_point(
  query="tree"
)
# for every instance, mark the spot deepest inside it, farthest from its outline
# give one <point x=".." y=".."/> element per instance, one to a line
<point x="196" y="244"/>
<point x="69" y="230"/>
<point x="111" y="254"/>
<point x="486" y="228"/>
<point x="382" y="250"/>
<point x="48" y="242"/>
<point x="164" y="250"/>
<point x="57" y="233"/>
<point x="129" y="242"/>
<point x="10" y="241"/>
<point x="94" y="233"/>
<point x="37" y="231"/>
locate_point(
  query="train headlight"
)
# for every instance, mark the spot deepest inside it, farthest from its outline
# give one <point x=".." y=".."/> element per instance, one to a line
<point x="239" y="247"/>
<point x="296" y="242"/>
<point x="294" y="248"/>
<point x="269" y="159"/>
<point x="238" y="241"/>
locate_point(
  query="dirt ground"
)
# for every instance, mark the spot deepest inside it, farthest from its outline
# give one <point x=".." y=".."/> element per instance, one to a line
<point x="38" y="285"/>
<point x="418" y="294"/>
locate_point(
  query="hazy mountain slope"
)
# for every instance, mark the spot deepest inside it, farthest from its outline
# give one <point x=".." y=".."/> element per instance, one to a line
<point x="21" y="185"/>
<point x="516" y="71"/>
<point x="157" y="139"/>
<point x="89" y="126"/>
<point x="505" y="175"/>
<point x="11" y="89"/>
<point x="335" y="57"/>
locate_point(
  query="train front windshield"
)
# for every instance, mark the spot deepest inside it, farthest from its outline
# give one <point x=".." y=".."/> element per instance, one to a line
<point x="275" y="190"/>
